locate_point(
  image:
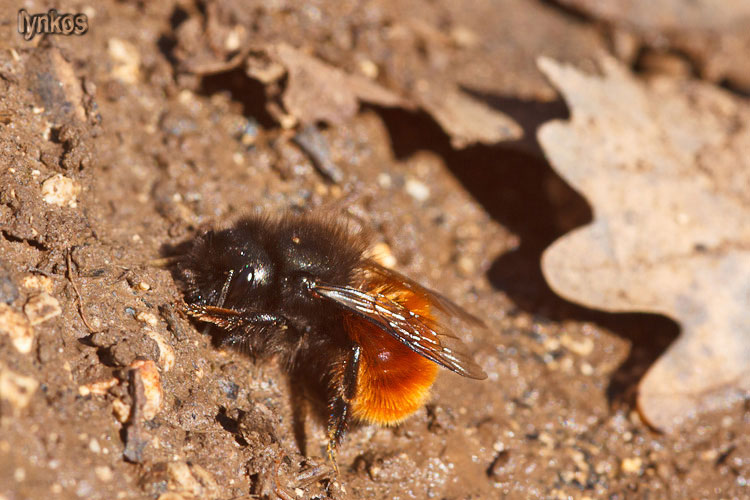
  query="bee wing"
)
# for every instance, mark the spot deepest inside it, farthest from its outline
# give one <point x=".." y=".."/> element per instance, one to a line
<point x="437" y="300"/>
<point x="430" y="337"/>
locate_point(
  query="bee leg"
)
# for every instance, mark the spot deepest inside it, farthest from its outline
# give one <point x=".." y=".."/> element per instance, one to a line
<point x="230" y="318"/>
<point x="331" y="450"/>
<point x="345" y="390"/>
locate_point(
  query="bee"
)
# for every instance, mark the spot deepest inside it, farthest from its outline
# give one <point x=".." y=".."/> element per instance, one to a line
<point x="302" y="287"/>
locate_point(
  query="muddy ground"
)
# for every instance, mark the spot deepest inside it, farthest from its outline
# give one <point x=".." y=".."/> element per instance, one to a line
<point x="122" y="142"/>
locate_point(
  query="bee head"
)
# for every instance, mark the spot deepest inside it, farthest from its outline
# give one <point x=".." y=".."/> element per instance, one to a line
<point x="250" y="273"/>
<point x="225" y="269"/>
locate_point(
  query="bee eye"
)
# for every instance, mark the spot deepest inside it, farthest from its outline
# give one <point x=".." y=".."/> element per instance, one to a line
<point x="246" y="275"/>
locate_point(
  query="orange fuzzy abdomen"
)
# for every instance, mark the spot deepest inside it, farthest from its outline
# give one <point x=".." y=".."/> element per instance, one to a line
<point x="393" y="381"/>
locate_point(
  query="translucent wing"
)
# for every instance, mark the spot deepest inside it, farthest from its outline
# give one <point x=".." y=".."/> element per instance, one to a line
<point x="429" y="334"/>
<point x="373" y="269"/>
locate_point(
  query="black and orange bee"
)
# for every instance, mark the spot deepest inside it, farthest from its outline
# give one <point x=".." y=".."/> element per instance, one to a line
<point x="302" y="287"/>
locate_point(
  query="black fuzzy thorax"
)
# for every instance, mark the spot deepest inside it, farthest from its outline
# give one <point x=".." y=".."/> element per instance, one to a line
<point x="260" y="264"/>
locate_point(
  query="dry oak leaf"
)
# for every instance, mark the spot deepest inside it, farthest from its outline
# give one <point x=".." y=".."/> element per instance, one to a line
<point x="665" y="166"/>
<point x="713" y="35"/>
<point x="318" y="91"/>
<point x="466" y="120"/>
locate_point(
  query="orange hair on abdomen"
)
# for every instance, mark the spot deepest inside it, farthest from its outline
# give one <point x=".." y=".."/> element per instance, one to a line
<point x="393" y="381"/>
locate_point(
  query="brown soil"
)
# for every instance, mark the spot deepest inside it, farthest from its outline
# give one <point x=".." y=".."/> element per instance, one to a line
<point x="149" y="143"/>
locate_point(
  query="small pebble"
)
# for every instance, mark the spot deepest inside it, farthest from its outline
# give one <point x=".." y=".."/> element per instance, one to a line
<point x="547" y="440"/>
<point x="466" y="265"/>
<point x="631" y="465"/>
<point x="382" y="254"/>
<point x="126" y="59"/>
<point x="122" y="353"/>
<point x="105" y="338"/>
<point x="94" y="446"/>
<point x="166" y="353"/>
<point x="551" y="344"/>
<point x="369" y="69"/>
<point x="8" y="289"/>
<point x="603" y="468"/>
<point x="374" y="472"/>
<point x="17" y="327"/>
<point x="417" y="189"/>
<point x="234" y="39"/>
<point x="60" y="190"/>
<point x="41" y="308"/>
<point x="191" y="479"/>
<point x="37" y="283"/>
<point x="151" y="387"/>
<point x="384" y="180"/>
<point x="84" y="489"/>
<point x="17" y="389"/>
<point x="582" y="347"/>
<point x="229" y="388"/>
<point x="464" y="37"/>
<point x="99" y="388"/>
<point x="104" y="473"/>
<point x="121" y="410"/>
<point x="147" y="317"/>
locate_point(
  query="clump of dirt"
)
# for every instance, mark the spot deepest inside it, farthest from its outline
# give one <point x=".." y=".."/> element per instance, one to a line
<point x="167" y="117"/>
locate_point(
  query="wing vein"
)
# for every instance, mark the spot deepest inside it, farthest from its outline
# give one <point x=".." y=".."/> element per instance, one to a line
<point x="427" y="336"/>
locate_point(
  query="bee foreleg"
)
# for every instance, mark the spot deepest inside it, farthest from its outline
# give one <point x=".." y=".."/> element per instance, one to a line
<point x="344" y="388"/>
<point x="230" y="318"/>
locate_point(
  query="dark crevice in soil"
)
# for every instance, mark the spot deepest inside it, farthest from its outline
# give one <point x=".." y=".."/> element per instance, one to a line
<point x="730" y="87"/>
<point x="230" y="425"/>
<point x="250" y="93"/>
<point x="166" y="45"/>
<point x="32" y="243"/>
<point x="179" y="16"/>
<point x="524" y="194"/>
<point x="569" y="11"/>
<point x="640" y="64"/>
<point x="167" y="42"/>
